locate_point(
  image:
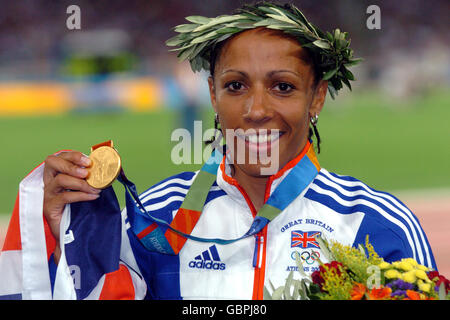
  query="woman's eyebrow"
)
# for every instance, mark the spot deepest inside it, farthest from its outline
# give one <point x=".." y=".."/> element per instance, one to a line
<point x="244" y="74"/>
<point x="268" y="74"/>
<point x="272" y="73"/>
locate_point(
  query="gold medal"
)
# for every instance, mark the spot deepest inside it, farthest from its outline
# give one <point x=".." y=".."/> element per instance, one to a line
<point x="106" y="165"/>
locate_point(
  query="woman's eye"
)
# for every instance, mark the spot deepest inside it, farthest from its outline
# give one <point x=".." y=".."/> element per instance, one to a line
<point x="234" y="86"/>
<point x="283" y="87"/>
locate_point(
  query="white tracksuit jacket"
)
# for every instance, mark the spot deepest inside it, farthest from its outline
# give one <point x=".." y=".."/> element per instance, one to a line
<point x="339" y="207"/>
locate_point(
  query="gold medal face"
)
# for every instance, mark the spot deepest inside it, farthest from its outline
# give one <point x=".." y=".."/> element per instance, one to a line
<point x="105" y="167"/>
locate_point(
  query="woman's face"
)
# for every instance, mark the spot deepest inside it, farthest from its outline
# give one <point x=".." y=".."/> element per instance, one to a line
<point x="264" y="91"/>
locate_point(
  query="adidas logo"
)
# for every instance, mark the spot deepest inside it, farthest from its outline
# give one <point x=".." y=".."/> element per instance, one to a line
<point x="209" y="259"/>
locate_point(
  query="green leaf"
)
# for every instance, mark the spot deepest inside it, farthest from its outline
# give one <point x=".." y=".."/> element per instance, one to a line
<point x="347" y="73"/>
<point x="329" y="36"/>
<point x="305" y="21"/>
<point x="199" y="48"/>
<point x="332" y="91"/>
<point x="282" y="18"/>
<point x="299" y="264"/>
<point x="174" y="41"/>
<point x="329" y="74"/>
<point x="278" y="293"/>
<point x="185" y="28"/>
<point x="361" y="249"/>
<point x="287" y="286"/>
<point x="205" y="37"/>
<point x="441" y="291"/>
<point x="198" y="19"/>
<point x="185" y="54"/>
<point x="314" y="288"/>
<point x="222" y="38"/>
<point x="347" y="83"/>
<point x="275" y="27"/>
<point x="276" y="10"/>
<point x="239" y="23"/>
<point x="205" y="64"/>
<point x="265" y="22"/>
<point x="196" y="63"/>
<point x="228" y="30"/>
<point x="296" y="293"/>
<point x="219" y="20"/>
<point x="266" y="294"/>
<point x="303" y="291"/>
<point x="184" y="47"/>
<point x="322" y="44"/>
<point x="353" y="62"/>
<point x="325" y="248"/>
<point x="337" y="33"/>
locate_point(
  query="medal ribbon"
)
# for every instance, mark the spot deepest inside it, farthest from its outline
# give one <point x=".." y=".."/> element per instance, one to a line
<point x="158" y="235"/>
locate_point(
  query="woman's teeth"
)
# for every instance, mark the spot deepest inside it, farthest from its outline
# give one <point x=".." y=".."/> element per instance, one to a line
<point x="262" y="137"/>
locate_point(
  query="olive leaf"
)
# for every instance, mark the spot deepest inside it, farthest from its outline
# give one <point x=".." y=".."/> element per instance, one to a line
<point x="329" y="74"/>
<point x="322" y="44"/>
<point x="185" y="28"/>
<point x="198" y="19"/>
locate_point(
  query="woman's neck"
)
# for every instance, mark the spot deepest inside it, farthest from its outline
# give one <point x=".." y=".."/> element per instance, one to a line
<point x="254" y="186"/>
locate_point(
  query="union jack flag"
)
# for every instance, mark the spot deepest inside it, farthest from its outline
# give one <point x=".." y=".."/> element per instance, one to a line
<point x="304" y="239"/>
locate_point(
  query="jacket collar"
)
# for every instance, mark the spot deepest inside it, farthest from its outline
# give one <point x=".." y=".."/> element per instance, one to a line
<point x="232" y="187"/>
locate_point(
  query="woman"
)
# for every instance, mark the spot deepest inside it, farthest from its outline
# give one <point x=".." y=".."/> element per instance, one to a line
<point x="266" y="87"/>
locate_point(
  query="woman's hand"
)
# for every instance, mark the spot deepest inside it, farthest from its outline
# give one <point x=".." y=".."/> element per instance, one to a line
<point x="64" y="182"/>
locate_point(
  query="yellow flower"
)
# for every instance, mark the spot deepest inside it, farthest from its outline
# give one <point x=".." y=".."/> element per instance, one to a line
<point x="405" y="265"/>
<point x="396" y="264"/>
<point x="422" y="275"/>
<point x="392" y="274"/>
<point x="425" y="287"/>
<point x="384" y="265"/>
<point x="411" y="261"/>
<point x="423" y="268"/>
<point x="409" y="276"/>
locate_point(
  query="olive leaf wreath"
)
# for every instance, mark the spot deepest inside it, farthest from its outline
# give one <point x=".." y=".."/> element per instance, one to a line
<point x="195" y="41"/>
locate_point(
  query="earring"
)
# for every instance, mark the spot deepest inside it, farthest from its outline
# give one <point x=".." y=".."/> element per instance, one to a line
<point x="216" y="120"/>
<point x="314" y="121"/>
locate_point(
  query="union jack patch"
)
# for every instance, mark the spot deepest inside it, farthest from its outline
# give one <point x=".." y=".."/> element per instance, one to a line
<point x="304" y="240"/>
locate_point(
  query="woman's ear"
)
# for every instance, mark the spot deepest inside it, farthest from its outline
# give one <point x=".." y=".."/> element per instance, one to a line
<point x="212" y="93"/>
<point x="319" y="98"/>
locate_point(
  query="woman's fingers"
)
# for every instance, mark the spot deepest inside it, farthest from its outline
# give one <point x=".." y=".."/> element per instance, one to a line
<point x="64" y="182"/>
<point x="72" y="163"/>
<point x="76" y="196"/>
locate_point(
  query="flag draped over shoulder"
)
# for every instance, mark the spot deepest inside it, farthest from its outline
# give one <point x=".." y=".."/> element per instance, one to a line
<point x="96" y="257"/>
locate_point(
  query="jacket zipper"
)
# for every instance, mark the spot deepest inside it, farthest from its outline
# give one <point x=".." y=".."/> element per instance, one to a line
<point x="259" y="264"/>
<point x="259" y="253"/>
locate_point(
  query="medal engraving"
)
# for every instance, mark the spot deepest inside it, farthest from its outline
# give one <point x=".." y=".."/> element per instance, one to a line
<point x="106" y="164"/>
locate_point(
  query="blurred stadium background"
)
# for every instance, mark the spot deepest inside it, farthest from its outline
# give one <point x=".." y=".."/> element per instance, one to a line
<point x="115" y="79"/>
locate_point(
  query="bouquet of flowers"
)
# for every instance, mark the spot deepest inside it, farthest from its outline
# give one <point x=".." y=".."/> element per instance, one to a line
<point x="360" y="274"/>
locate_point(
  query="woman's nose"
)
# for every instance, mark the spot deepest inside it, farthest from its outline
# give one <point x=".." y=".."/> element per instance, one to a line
<point x="257" y="107"/>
